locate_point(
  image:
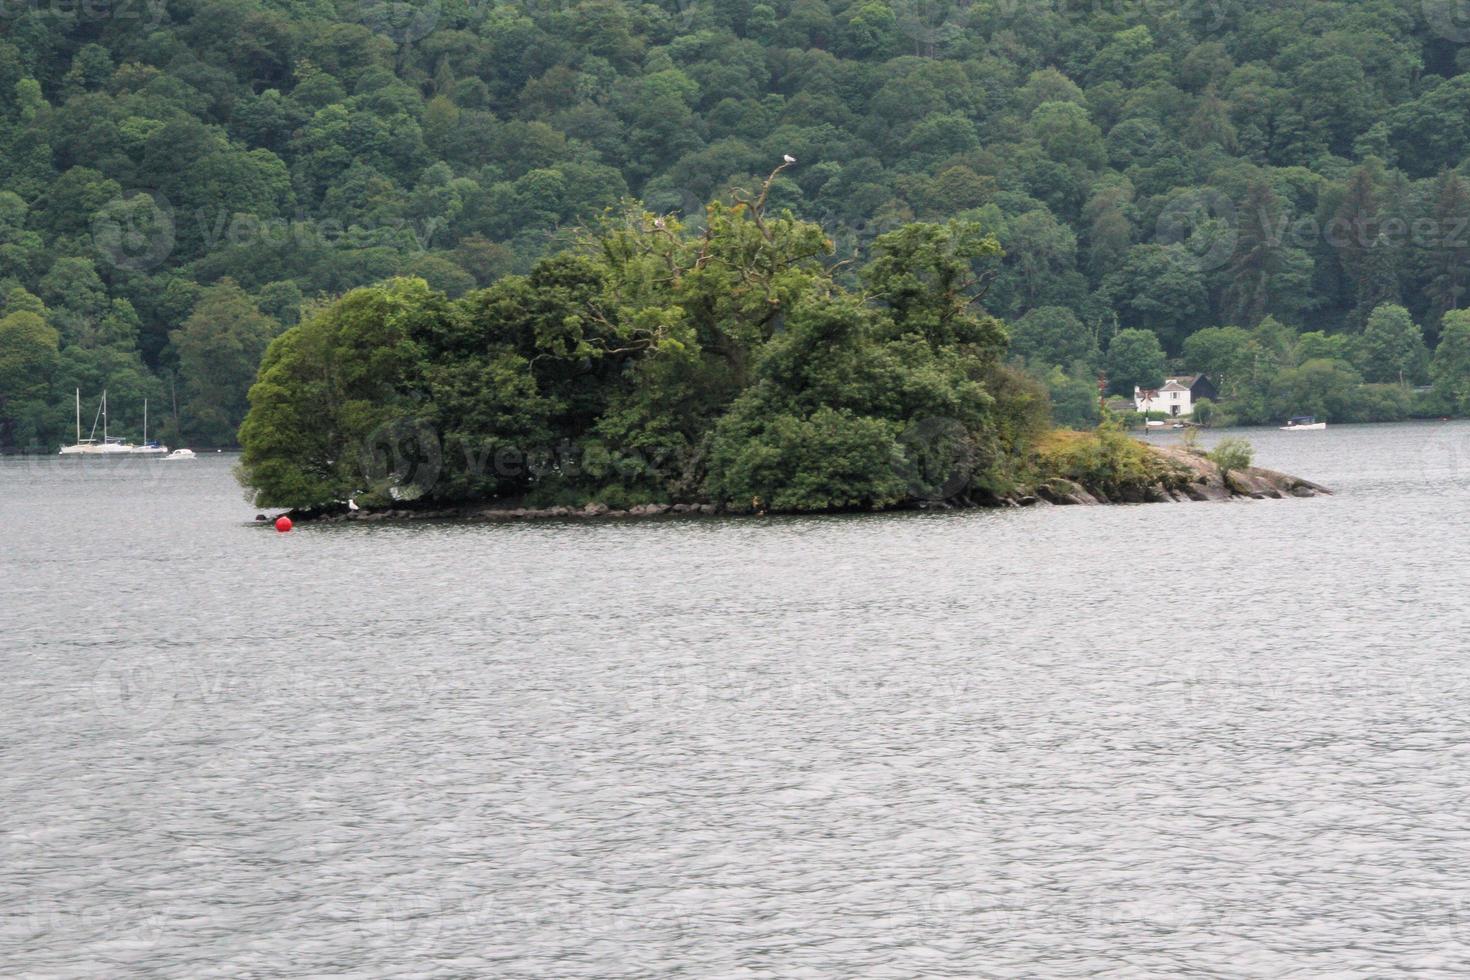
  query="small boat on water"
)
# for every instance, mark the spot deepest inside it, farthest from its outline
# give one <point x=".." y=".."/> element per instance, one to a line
<point x="91" y="446"/>
<point x="154" y="448"/>
<point x="180" y="454"/>
<point x="1302" y="422"/>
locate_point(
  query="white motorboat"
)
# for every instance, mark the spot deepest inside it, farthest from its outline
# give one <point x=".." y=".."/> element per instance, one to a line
<point x="91" y="446"/>
<point x="1303" y="423"/>
<point x="180" y="454"/>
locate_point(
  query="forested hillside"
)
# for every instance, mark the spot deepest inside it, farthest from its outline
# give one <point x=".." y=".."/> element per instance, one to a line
<point x="182" y="179"/>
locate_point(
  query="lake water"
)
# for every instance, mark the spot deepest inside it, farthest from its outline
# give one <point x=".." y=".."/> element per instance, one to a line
<point x="1222" y="738"/>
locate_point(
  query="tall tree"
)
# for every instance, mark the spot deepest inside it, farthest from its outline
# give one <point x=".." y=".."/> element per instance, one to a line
<point x="1391" y="348"/>
<point x="1257" y="256"/>
<point x="1367" y="257"/>
<point x="219" y="348"/>
<point x="1445" y="252"/>
<point x="1134" y="359"/>
<point x="1451" y="366"/>
<point x="28" y="356"/>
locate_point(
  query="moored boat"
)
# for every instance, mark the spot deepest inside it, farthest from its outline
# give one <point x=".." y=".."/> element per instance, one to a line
<point x="1303" y="422"/>
<point x="91" y="446"/>
<point x="154" y="448"/>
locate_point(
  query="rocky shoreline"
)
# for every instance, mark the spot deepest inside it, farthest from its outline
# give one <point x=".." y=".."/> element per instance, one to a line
<point x="1187" y="476"/>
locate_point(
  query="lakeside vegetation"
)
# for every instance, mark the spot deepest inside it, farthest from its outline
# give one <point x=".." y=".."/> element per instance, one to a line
<point x="657" y="363"/>
<point x="1272" y="193"/>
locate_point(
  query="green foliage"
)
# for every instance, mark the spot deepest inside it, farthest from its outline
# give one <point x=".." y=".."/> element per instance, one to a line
<point x="1135" y="359"/>
<point x="1074" y="401"/>
<point x="1451" y="367"/>
<point x="1232" y="454"/>
<point x="1055" y="336"/>
<point x="219" y="349"/>
<point x="1324" y="388"/>
<point x="655" y="363"/>
<point x="1391" y="348"/>
<point x="1106" y="460"/>
<point x="1154" y="170"/>
<point x="1227" y="355"/>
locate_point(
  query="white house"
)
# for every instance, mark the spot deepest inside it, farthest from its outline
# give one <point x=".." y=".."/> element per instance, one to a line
<point x="1176" y="397"/>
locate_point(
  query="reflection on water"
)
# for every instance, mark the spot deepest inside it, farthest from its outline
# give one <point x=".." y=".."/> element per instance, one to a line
<point x="1225" y="738"/>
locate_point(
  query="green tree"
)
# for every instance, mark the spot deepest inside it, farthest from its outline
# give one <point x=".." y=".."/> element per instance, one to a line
<point x="1265" y="275"/>
<point x="1317" y="345"/>
<point x="28" y="357"/>
<point x="1134" y="359"/>
<point x="1391" y="348"/>
<point x="1226" y="354"/>
<point x="1074" y="401"/>
<point x="1232" y="454"/>
<point x="1451" y="366"/>
<point x="219" y="347"/>
<point x="1326" y="389"/>
<point x="1161" y="288"/>
<point x="1053" y="335"/>
<point x="1445" y="252"/>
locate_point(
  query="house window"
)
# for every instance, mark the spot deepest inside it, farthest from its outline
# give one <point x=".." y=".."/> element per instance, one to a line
<point x="1174" y="395"/>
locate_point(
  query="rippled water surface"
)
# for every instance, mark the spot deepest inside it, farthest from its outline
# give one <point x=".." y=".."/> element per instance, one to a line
<point x="1228" y="738"/>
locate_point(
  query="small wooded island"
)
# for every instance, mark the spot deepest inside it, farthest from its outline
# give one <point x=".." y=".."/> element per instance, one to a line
<point x="733" y="368"/>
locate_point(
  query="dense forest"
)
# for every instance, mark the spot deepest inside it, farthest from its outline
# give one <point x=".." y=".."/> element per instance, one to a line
<point x="1274" y="193"/>
<point x="654" y="363"/>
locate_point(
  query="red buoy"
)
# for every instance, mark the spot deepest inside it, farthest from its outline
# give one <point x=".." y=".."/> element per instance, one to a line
<point x="283" y="523"/>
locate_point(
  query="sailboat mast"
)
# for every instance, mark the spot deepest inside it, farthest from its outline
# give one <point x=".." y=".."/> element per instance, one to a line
<point x="145" y="421"/>
<point x="104" y="416"/>
<point x="79" y="416"/>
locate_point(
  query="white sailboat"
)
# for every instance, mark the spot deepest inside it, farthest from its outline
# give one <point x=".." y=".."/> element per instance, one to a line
<point x="80" y="446"/>
<point x="90" y="446"/>
<point x="149" y="448"/>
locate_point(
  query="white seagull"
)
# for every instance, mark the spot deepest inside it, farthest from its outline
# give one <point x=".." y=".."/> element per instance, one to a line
<point x="789" y="158"/>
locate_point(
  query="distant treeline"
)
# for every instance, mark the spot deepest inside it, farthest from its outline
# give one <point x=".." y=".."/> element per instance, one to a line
<point x="181" y="181"/>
